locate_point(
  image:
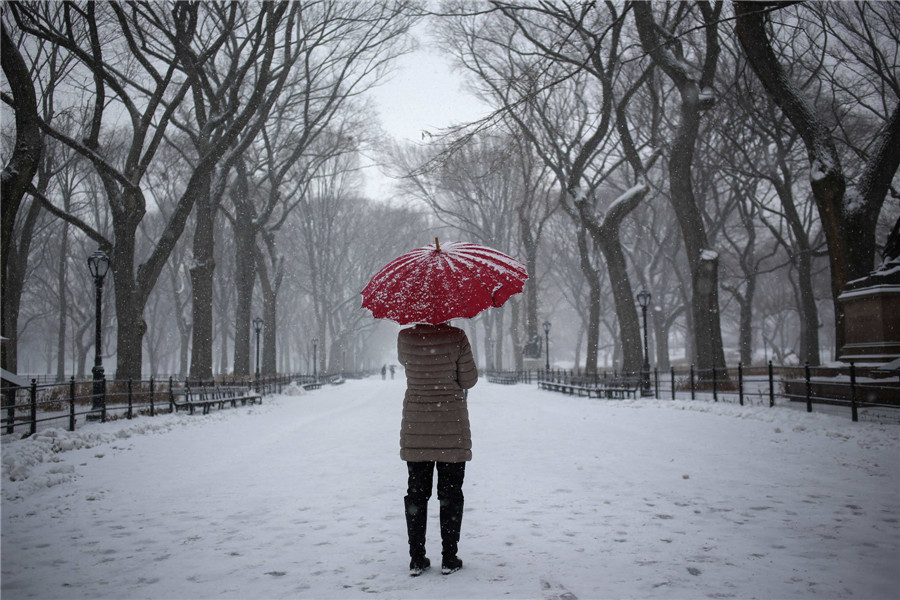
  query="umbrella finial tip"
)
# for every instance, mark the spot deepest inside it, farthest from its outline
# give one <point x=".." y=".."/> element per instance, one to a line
<point x="437" y="245"/>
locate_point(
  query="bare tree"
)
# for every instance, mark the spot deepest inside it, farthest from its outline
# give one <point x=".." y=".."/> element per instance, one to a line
<point x="692" y="70"/>
<point x="344" y="50"/>
<point x="864" y="37"/>
<point x="149" y="93"/>
<point x="541" y="64"/>
<point x="14" y="181"/>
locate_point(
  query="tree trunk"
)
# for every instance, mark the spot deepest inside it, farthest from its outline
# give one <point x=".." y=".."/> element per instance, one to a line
<point x="593" y="280"/>
<point x="202" y="270"/>
<point x="530" y="244"/>
<point x="745" y="330"/>
<point x="244" y="275"/>
<point x="661" y="336"/>
<point x="17" y="269"/>
<point x="849" y="226"/>
<point x="514" y="330"/>
<point x="16" y="176"/>
<point x="606" y="237"/>
<point x="63" y="314"/>
<point x="809" y="311"/>
<point x="498" y="339"/>
<point x="270" y="305"/>
<point x="703" y="263"/>
<point x="129" y="311"/>
<point x="624" y="298"/>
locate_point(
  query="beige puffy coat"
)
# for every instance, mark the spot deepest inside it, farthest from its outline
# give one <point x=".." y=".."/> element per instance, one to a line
<point x="439" y="366"/>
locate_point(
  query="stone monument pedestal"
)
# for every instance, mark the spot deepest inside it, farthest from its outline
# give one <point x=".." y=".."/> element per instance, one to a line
<point x="872" y="317"/>
<point x="533" y="364"/>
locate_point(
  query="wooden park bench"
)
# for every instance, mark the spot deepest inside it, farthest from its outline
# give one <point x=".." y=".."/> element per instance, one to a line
<point x="502" y="378"/>
<point x="190" y="398"/>
<point x="619" y="391"/>
<point x="611" y="389"/>
<point x="571" y="388"/>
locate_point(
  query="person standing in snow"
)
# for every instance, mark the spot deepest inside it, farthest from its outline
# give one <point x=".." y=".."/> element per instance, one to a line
<point x="435" y="433"/>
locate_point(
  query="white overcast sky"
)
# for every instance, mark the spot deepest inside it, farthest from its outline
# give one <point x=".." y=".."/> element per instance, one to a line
<point x="423" y="93"/>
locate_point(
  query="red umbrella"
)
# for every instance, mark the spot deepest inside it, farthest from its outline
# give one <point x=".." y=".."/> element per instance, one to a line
<point x="438" y="283"/>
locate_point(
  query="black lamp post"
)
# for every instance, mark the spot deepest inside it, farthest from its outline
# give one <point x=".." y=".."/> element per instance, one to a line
<point x="547" y="339"/>
<point x="98" y="264"/>
<point x="315" y="358"/>
<point x="257" y="325"/>
<point x="643" y="299"/>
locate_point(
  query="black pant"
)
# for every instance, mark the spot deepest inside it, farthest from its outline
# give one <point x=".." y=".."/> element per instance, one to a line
<point x="421" y="481"/>
<point x="450" y="497"/>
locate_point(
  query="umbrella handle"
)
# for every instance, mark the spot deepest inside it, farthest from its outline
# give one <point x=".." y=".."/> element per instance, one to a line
<point x="437" y="245"/>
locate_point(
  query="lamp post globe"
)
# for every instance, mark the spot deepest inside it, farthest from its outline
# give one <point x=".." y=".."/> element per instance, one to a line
<point x="643" y="299"/>
<point x="547" y="340"/>
<point x="98" y="265"/>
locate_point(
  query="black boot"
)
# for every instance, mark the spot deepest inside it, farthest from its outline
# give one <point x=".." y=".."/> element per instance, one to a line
<point x="416" y="521"/>
<point x="451" y="521"/>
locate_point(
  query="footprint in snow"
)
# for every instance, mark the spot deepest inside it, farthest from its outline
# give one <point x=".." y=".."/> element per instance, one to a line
<point x="556" y="591"/>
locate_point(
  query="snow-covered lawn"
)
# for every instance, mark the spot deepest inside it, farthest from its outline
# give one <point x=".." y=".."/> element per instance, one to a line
<point x="566" y="498"/>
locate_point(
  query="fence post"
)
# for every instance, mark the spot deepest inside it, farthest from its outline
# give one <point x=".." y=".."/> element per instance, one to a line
<point x="103" y="402"/>
<point x="33" y="401"/>
<point x="672" y="371"/>
<point x="771" y="386"/>
<point x="693" y="387"/>
<point x="656" y="382"/>
<point x="9" y="399"/>
<point x="72" y="404"/>
<point x="152" y="411"/>
<point x="853" y="409"/>
<point x="808" y="388"/>
<point x="741" y="382"/>
<point x="171" y="397"/>
<point x="130" y="399"/>
<point x="715" y="391"/>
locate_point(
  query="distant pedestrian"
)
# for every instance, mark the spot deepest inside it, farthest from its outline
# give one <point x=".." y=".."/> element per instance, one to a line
<point x="392" y="371"/>
<point x="435" y="432"/>
<point x="383" y="371"/>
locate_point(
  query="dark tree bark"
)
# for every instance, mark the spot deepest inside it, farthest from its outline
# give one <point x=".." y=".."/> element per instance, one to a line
<point x="212" y="130"/>
<point x="244" y="230"/>
<point x="848" y="216"/>
<point x="605" y="234"/>
<point x="694" y="90"/>
<point x="14" y="181"/>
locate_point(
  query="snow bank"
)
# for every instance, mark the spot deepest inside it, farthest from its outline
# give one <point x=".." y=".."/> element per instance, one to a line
<point x="20" y="474"/>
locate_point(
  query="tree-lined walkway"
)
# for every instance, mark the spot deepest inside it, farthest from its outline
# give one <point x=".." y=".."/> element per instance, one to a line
<point x="302" y="497"/>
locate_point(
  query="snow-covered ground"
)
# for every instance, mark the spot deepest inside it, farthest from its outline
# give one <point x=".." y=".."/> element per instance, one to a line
<point x="302" y="497"/>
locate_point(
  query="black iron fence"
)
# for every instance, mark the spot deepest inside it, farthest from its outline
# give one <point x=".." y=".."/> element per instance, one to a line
<point x="859" y="392"/>
<point x="25" y="409"/>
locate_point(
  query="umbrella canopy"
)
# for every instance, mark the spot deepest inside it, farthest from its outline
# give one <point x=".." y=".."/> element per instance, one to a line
<point x="437" y="283"/>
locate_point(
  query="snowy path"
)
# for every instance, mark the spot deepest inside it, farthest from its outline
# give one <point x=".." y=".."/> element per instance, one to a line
<point x="565" y="498"/>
